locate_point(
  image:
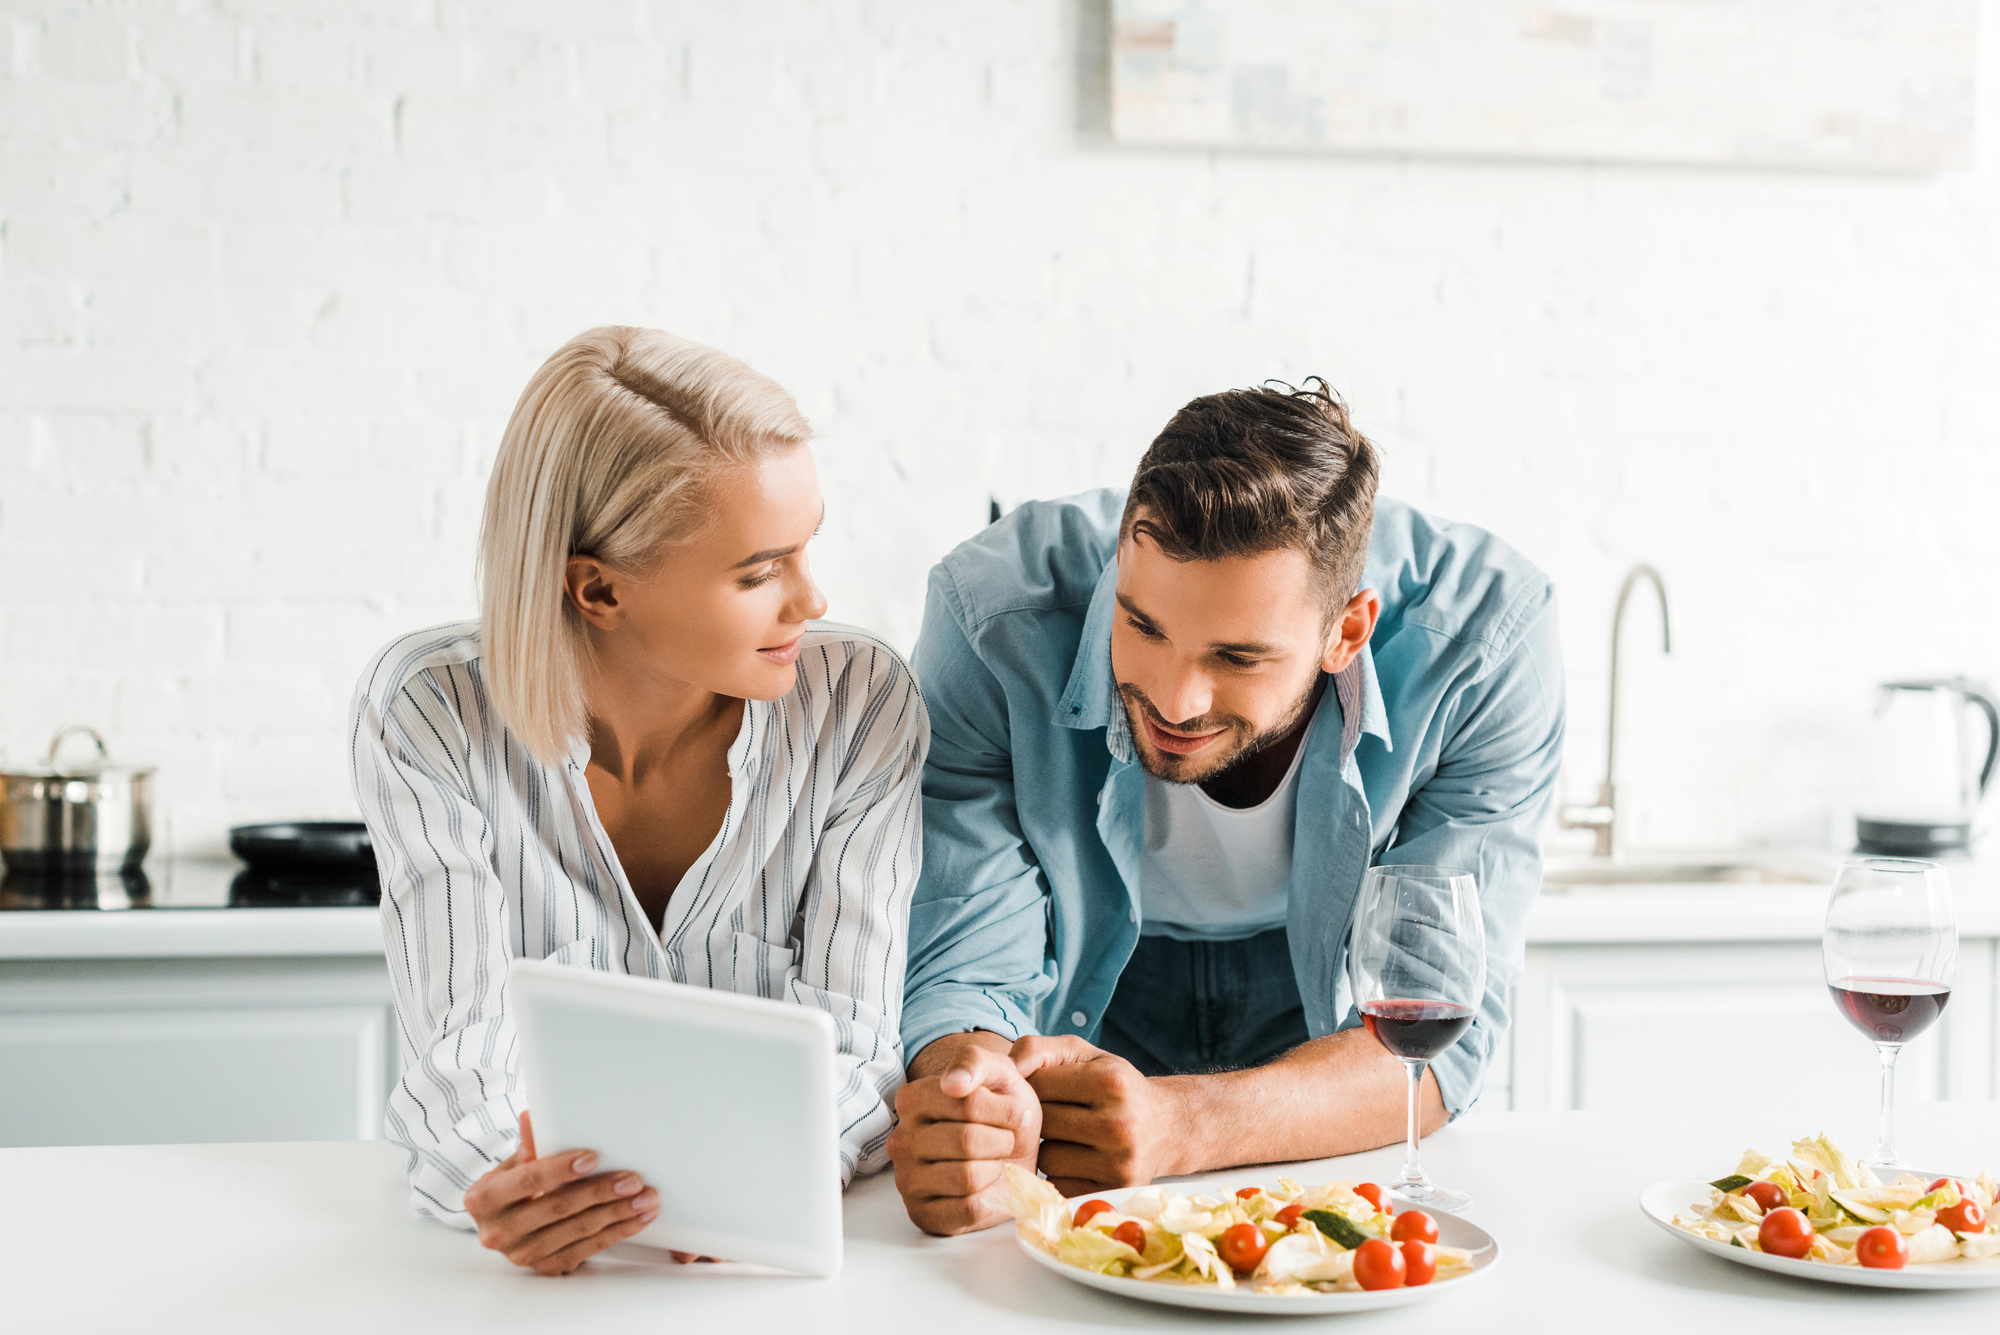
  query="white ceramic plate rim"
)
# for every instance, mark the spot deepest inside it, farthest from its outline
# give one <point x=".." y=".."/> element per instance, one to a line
<point x="1663" y="1200"/>
<point x="1452" y="1231"/>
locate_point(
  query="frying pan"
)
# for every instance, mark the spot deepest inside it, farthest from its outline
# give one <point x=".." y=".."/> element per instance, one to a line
<point x="324" y="845"/>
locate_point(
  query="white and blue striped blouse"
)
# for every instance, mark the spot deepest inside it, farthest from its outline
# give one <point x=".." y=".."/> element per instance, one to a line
<point x="486" y="854"/>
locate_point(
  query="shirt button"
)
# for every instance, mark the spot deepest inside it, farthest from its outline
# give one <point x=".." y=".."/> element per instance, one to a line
<point x="1079" y="1019"/>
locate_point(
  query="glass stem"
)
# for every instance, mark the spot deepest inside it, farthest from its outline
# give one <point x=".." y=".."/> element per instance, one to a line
<point x="1885" y="1133"/>
<point x="1413" y="1171"/>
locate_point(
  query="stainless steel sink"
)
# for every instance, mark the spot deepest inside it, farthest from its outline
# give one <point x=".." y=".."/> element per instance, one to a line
<point x="1746" y="871"/>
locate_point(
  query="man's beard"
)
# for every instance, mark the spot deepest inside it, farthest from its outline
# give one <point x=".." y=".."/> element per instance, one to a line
<point x="1218" y="756"/>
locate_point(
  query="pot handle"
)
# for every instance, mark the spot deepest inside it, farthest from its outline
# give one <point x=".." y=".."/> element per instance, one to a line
<point x="70" y="730"/>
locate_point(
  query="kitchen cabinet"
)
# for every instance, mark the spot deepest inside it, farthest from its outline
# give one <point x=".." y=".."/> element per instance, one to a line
<point x="1620" y="1026"/>
<point x="183" y="1050"/>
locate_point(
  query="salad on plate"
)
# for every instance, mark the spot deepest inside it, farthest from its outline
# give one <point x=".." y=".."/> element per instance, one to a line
<point x="1821" y="1204"/>
<point x="1336" y="1238"/>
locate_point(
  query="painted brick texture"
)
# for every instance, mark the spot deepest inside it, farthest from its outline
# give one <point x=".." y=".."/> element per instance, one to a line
<point x="272" y="273"/>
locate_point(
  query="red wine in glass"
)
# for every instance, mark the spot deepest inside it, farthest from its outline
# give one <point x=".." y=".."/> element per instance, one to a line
<point x="1890" y="1010"/>
<point x="1415" y="1030"/>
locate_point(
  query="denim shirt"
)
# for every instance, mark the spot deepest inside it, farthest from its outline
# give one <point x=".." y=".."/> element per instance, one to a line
<point x="1034" y="801"/>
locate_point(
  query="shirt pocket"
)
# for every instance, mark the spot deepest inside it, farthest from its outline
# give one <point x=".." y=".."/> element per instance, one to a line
<point x="582" y="953"/>
<point x="762" y="969"/>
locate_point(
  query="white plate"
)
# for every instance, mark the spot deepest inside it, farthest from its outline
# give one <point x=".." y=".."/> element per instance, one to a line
<point x="1663" y="1200"/>
<point x="1452" y="1232"/>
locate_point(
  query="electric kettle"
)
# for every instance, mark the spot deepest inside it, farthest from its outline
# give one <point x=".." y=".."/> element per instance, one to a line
<point x="1930" y="757"/>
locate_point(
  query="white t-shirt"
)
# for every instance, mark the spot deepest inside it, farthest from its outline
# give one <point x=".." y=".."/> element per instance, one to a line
<point x="1211" y="872"/>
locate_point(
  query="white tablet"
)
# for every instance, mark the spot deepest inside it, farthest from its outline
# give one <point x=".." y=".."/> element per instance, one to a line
<point x="723" y="1103"/>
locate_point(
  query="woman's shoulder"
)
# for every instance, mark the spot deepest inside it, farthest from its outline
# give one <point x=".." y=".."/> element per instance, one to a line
<point x="409" y="657"/>
<point x="832" y="654"/>
<point x="844" y="643"/>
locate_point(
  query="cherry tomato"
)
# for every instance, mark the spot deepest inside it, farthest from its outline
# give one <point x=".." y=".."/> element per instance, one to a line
<point x="1132" y="1233"/>
<point x="1785" y="1232"/>
<point x="1245" y="1193"/>
<point x="1420" y="1262"/>
<point x="1243" y="1246"/>
<point x="1414" y="1226"/>
<point x="1882" y="1248"/>
<point x="1378" y="1265"/>
<point x="1088" y="1211"/>
<point x="1964" y="1217"/>
<point x="1374" y="1195"/>
<point x="1952" y="1182"/>
<point x="1768" y="1195"/>
<point x="1289" y="1216"/>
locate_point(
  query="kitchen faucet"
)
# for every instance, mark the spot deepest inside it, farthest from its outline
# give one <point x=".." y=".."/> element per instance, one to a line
<point x="1602" y="816"/>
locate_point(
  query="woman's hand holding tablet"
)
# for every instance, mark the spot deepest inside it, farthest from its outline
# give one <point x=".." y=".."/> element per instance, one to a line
<point x="550" y="1214"/>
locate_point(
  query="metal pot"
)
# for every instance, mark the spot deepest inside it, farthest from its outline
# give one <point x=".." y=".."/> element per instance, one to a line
<point x="66" y="818"/>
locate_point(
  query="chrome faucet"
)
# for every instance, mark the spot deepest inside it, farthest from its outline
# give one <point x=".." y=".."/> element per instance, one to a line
<point x="1602" y="816"/>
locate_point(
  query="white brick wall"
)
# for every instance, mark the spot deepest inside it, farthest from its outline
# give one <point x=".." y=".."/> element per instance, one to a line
<point x="271" y="274"/>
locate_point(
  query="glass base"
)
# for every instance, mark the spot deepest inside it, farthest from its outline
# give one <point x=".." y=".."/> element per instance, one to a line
<point x="1887" y="1169"/>
<point x="1430" y="1196"/>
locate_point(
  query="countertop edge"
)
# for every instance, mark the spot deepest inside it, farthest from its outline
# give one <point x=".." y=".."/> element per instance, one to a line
<point x="189" y="933"/>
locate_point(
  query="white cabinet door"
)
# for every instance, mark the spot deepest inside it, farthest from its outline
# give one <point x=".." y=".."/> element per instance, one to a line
<point x="135" y="1052"/>
<point x="1609" y="1027"/>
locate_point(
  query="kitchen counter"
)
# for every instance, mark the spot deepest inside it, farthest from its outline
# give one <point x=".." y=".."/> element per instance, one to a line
<point x="1636" y="914"/>
<point x="188" y="909"/>
<point x="319" y="1237"/>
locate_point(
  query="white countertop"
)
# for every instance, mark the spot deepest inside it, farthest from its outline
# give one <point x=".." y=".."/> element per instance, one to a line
<point x="1620" y="914"/>
<point x="319" y="1237"/>
<point x="189" y="918"/>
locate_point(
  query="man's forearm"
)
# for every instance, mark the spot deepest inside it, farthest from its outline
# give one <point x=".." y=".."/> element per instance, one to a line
<point x="935" y="1059"/>
<point x="1334" y="1095"/>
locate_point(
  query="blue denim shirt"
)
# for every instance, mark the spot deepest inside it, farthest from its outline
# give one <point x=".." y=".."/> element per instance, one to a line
<point x="1034" y="801"/>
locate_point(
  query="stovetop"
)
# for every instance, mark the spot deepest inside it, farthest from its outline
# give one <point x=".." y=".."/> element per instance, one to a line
<point x="191" y="884"/>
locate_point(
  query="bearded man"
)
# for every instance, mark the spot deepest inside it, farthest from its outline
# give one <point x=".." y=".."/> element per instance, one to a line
<point x="1171" y="729"/>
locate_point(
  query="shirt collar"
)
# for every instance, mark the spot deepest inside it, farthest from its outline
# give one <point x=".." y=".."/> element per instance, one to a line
<point x="1090" y="700"/>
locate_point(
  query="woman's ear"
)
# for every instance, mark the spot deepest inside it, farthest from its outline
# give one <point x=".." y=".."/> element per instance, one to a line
<point x="1357" y="624"/>
<point x="592" y="586"/>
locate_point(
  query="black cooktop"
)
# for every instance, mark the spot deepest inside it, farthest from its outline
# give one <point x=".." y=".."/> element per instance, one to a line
<point x="176" y="888"/>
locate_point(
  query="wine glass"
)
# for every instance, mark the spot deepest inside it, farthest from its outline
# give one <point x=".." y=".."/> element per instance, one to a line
<point x="1891" y="952"/>
<point x="1417" y="966"/>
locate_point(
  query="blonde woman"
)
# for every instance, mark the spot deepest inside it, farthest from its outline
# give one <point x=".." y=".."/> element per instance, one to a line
<point x="647" y="757"/>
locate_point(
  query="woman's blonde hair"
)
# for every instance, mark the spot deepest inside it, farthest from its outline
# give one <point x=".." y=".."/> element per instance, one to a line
<point x="606" y="456"/>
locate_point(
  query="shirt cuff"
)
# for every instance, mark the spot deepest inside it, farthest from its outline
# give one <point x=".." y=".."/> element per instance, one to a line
<point x="442" y="1172"/>
<point x="938" y="1011"/>
<point x="1461" y="1070"/>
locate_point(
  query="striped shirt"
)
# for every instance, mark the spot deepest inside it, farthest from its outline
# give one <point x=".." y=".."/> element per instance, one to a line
<point x="486" y="855"/>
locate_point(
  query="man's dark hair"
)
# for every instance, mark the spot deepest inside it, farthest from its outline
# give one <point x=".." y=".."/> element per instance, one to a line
<point x="1249" y="471"/>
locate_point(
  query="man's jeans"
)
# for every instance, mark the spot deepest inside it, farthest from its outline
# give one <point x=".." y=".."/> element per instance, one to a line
<point x="1192" y="1006"/>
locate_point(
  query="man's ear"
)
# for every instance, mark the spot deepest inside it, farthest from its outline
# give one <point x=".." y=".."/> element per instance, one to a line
<point x="1350" y="636"/>
<point x="592" y="586"/>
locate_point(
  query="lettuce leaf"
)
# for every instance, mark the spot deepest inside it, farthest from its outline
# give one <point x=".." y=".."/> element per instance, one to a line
<point x="1936" y="1243"/>
<point x="1027" y="1193"/>
<point x="1207" y="1261"/>
<point x="1088" y="1249"/>
<point x="1305" y="1257"/>
<point x="1820" y="1152"/>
